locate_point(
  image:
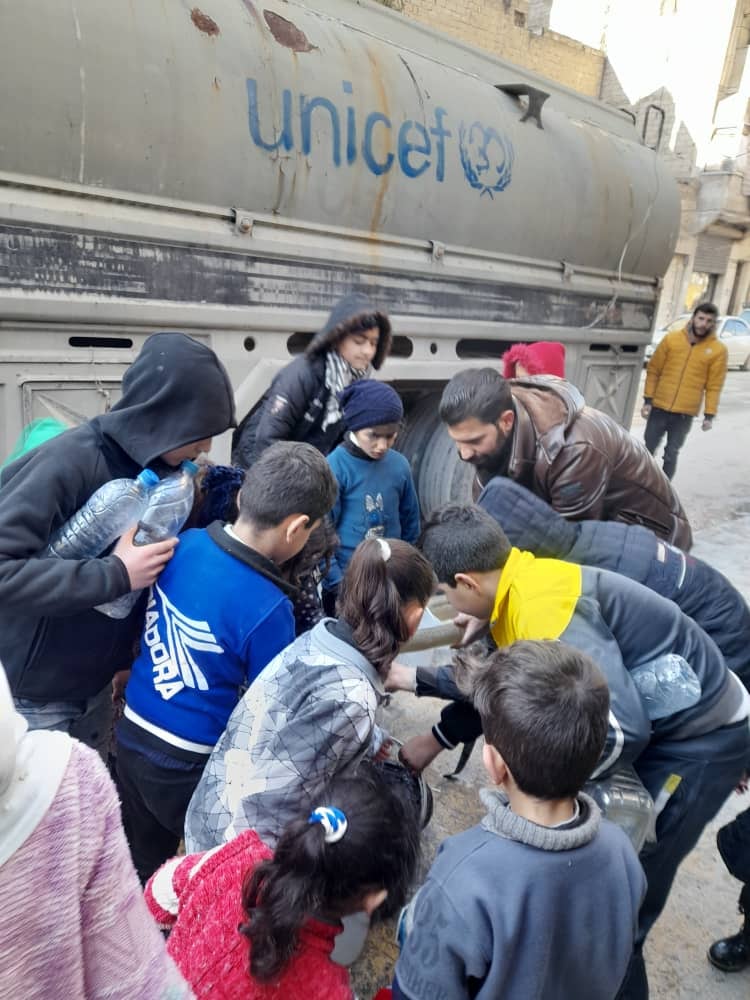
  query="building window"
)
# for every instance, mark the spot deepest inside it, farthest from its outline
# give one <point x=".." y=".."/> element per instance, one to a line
<point x="519" y="19"/>
<point x="702" y="288"/>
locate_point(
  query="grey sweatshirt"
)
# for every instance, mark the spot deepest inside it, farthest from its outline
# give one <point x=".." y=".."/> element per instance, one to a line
<point x="515" y="911"/>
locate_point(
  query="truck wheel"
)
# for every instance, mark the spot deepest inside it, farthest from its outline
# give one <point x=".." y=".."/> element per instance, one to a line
<point x="439" y="474"/>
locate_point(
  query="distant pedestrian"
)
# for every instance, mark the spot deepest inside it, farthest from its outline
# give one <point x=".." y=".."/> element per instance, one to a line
<point x="687" y="364"/>
<point x="545" y="357"/>
<point x="302" y="402"/>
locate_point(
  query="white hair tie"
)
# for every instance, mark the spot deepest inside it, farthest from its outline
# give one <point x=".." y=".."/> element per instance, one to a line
<point x="385" y="549"/>
<point x="332" y="820"/>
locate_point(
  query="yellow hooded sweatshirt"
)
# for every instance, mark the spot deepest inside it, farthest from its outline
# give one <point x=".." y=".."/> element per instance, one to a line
<point x="535" y="598"/>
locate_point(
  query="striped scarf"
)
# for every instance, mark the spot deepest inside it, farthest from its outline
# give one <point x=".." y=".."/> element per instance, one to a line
<point x="339" y="374"/>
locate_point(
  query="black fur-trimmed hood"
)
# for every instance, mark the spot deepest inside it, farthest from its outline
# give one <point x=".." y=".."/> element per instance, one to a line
<point x="345" y="317"/>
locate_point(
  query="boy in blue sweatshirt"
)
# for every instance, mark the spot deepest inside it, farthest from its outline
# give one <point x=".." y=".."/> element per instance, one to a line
<point x="541" y="898"/>
<point x="376" y="495"/>
<point x="216" y="616"/>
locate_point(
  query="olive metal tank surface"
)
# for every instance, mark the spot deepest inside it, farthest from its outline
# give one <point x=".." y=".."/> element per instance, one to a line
<point x="321" y="116"/>
<point x="232" y="169"/>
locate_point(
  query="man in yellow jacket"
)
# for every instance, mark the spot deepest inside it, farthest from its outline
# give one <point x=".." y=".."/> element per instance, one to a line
<point x="687" y="363"/>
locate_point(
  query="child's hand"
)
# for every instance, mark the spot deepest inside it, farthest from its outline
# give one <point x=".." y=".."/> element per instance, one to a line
<point x="471" y="627"/>
<point x="419" y="751"/>
<point x="119" y="683"/>
<point x="143" y="563"/>
<point x="401" y="678"/>
<point x="384" y="750"/>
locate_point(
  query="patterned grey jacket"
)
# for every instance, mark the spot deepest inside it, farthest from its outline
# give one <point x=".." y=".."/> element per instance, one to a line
<point x="309" y="715"/>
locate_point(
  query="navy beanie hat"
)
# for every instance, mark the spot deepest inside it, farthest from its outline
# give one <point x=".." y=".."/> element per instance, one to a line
<point x="368" y="403"/>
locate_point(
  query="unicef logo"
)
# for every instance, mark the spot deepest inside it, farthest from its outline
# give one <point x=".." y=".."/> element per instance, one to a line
<point x="417" y="148"/>
<point x="487" y="158"/>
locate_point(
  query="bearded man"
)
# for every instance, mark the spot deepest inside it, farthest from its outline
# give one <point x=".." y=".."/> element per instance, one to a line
<point x="688" y="364"/>
<point x="540" y="433"/>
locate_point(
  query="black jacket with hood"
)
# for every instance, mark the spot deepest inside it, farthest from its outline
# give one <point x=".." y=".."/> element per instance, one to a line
<point x="53" y="645"/>
<point x="294" y="406"/>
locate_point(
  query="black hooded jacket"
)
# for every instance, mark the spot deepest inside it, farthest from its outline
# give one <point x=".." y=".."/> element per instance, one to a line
<point x="53" y="645"/>
<point x="294" y="406"/>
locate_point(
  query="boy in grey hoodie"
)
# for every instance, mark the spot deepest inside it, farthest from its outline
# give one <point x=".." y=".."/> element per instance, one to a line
<point x="541" y="899"/>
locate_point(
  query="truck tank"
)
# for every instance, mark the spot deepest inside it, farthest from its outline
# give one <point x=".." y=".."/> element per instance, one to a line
<point x="233" y="169"/>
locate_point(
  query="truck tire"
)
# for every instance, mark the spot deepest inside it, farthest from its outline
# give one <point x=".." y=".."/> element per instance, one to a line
<point x="439" y="474"/>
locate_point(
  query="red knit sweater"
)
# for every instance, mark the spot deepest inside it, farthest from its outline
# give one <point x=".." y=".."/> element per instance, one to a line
<point x="199" y="898"/>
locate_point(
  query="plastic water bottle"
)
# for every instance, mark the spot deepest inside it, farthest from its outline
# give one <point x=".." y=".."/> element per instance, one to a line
<point x="667" y="684"/>
<point x="624" y="801"/>
<point x="113" y="509"/>
<point x="168" y="507"/>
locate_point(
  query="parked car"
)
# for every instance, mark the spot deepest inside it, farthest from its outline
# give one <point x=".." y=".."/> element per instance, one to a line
<point x="734" y="331"/>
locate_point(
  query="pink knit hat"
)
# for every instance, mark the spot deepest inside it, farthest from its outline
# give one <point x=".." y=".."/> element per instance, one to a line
<point x="545" y="357"/>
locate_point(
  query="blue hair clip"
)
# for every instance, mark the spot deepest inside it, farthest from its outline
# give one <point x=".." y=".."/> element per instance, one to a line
<point x="332" y="820"/>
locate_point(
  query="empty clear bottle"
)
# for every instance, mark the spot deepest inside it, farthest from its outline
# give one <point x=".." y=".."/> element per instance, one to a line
<point x="667" y="684"/>
<point x="113" y="509"/>
<point x="624" y="801"/>
<point x="169" y="505"/>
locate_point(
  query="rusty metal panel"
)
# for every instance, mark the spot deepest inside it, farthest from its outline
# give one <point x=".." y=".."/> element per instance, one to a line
<point x="610" y="384"/>
<point x="35" y="259"/>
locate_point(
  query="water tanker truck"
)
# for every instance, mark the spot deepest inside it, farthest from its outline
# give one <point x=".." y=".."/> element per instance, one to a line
<point x="232" y="169"/>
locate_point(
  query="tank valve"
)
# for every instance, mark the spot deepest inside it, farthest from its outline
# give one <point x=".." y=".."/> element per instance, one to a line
<point x="243" y="224"/>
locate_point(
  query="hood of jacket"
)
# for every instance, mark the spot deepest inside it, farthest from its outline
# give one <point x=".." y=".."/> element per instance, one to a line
<point x="344" y="317"/>
<point x="546" y="408"/>
<point x="32" y="765"/>
<point x="545" y="357"/>
<point x="528" y="521"/>
<point x="175" y="392"/>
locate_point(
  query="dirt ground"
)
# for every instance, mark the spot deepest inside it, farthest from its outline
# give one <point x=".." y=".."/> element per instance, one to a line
<point x="712" y="480"/>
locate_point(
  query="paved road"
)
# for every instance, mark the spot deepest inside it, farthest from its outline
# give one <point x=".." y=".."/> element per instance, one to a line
<point x="712" y="480"/>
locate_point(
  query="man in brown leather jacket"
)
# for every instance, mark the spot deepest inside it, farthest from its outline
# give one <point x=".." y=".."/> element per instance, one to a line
<point x="540" y="433"/>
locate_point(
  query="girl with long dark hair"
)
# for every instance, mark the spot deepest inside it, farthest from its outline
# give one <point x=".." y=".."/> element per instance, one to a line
<point x="310" y="714"/>
<point x="354" y="850"/>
